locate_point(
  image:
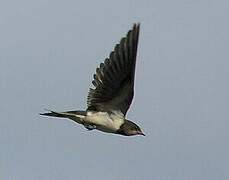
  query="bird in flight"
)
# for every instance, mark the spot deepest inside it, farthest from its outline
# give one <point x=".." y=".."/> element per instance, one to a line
<point x="111" y="97"/>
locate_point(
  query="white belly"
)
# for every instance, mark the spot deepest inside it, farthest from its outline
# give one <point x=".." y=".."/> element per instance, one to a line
<point x="104" y="121"/>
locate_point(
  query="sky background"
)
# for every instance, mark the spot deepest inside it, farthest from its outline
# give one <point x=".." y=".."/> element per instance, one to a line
<point x="49" y="50"/>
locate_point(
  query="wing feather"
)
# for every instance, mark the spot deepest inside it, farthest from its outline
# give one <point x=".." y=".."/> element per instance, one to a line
<point x="114" y="79"/>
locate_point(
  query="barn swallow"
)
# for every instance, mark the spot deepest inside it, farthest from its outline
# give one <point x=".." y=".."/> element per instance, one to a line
<point x="110" y="98"/>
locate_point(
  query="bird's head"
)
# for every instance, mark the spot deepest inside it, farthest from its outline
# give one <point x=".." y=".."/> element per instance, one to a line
<point x="128" y="128"/>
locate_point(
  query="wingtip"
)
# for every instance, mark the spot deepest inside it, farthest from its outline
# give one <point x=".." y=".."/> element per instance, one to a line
<point x="136" y="25"/>
<point x="136" y="29"/>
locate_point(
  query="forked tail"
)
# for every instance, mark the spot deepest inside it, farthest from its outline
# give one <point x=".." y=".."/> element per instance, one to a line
<point x="76" y="116"/>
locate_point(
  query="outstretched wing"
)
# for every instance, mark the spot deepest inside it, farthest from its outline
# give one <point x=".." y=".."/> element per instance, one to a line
<point x="114" y="79"/>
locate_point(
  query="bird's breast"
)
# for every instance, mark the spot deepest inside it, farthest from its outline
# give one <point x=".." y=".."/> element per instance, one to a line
<point x="104" y="121"/>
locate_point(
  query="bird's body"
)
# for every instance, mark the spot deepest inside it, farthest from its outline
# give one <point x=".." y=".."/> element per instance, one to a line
<point x="104" y="121"/>
<point x="109" y="101"/>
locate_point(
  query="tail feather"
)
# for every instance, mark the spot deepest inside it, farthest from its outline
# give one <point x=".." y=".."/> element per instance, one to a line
<point x="67" y="114"/>
<point x="54" y="114"/>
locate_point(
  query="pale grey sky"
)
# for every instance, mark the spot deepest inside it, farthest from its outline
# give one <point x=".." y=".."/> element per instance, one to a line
<point x="49" y="50"/>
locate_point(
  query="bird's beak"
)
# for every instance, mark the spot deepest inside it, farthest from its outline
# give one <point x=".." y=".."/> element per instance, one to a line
<point x="141" y="133"/>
